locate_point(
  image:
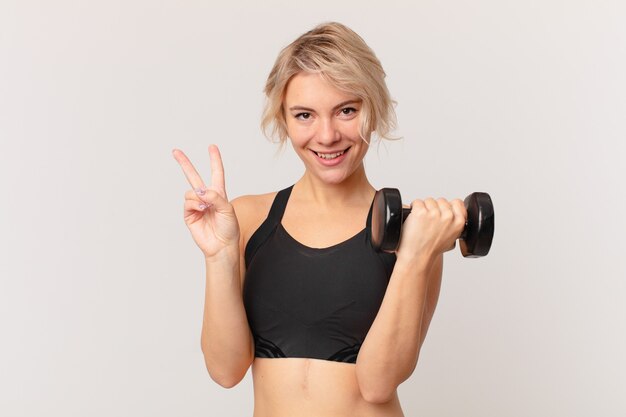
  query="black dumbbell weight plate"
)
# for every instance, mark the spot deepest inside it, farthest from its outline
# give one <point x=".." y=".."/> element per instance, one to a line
<point x="478" y="234"/>
<point x="386" y="219"/>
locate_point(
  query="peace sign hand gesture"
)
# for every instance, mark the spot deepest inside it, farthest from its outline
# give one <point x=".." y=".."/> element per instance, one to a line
<point x="209" y="216"/>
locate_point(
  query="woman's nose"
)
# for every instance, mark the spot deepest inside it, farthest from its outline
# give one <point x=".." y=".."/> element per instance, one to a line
<point x="327" y="133"/>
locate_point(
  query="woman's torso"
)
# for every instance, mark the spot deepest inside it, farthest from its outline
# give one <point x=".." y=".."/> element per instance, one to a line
<point x="300" y="386"/>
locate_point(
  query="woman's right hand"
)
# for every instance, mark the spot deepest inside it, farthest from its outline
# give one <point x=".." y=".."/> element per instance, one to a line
<point x="209" y="216"/>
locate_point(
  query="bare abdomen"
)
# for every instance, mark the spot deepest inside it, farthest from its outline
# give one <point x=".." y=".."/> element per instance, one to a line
<point x="297" y="387"/>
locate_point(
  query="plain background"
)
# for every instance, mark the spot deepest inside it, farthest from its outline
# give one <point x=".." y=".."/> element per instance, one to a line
<point x="101" y="288"/>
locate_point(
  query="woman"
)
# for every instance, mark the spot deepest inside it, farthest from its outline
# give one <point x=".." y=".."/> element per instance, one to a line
<point x="293" y="286"/>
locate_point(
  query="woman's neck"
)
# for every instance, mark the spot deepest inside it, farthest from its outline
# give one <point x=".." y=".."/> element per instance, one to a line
<point x="354" y="189"/>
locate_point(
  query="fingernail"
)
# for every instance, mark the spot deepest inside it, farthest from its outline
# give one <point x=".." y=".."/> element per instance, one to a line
<point x="203" y="206"/>
<point x="200" y="191"/>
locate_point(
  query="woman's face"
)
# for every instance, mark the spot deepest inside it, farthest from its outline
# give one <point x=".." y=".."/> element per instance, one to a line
<point x="323" y="125"/>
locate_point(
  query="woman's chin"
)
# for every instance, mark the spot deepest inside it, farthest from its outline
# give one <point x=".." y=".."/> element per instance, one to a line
<point x="333" y="178"/>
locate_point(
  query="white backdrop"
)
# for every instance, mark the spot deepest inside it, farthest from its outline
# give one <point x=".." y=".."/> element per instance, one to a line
<point x="101" y="286"/>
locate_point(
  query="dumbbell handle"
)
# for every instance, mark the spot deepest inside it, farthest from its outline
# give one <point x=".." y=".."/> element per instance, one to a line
<point x="407" y="211"/>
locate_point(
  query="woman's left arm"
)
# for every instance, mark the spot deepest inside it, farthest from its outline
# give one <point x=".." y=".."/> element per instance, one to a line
<point x="390" y="350"/>
<point x="389" y="353"/>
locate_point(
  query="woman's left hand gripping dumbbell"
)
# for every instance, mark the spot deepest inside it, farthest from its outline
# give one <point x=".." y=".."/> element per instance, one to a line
<point x="431" y="228"/>
<point x="209" y="216"/>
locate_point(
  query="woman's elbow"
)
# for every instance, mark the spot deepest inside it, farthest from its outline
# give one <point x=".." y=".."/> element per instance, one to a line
<point x="226" y="380"/>
<point x="378" y="395"/>
<point x="376" y="390"/>
<point x="227" y="375"/>
<point x="376" y="387"/>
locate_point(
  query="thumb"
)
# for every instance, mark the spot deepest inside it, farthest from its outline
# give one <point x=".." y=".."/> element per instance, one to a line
<point x="214" y="198"/>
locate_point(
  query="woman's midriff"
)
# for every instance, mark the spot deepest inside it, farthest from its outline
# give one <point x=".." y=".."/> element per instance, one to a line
<point x="297" y="387"/>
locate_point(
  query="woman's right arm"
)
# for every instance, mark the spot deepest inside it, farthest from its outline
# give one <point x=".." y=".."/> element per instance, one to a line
<point x="226" y="340"/>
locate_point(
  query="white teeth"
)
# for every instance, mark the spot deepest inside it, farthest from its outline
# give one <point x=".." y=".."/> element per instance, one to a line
<point x="329" y="155"/>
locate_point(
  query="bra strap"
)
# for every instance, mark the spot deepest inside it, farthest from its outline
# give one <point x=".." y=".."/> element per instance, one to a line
<point x="278" y="206"/>
<point x="368" y="223"/>
<point x="267" y="227"/>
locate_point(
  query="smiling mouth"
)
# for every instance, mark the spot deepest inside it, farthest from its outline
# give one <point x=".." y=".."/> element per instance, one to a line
<point x="330" y="156"/>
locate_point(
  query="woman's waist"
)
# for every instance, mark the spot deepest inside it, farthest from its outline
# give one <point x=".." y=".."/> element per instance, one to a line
<point x="298" y="387"/>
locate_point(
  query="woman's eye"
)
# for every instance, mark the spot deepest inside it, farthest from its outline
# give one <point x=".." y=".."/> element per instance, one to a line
<point x="303" y="116"/>
<point x="348" y="110"/>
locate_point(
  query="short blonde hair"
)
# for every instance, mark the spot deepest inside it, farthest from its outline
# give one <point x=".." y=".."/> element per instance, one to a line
<point x="343" y="58"/>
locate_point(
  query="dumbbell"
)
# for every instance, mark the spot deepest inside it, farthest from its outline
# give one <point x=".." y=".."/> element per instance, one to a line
<point x="388" y="216"/>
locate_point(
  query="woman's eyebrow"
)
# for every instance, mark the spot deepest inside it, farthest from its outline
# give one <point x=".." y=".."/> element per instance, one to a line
<point x="342" y="104"/>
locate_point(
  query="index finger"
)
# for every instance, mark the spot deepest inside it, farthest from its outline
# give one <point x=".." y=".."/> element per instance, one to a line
<point x="192" y="175"/>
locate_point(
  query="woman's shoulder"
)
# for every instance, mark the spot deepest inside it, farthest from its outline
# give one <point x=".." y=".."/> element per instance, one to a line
<point x="252" y="203"/>
<point x="251" y="211"/>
